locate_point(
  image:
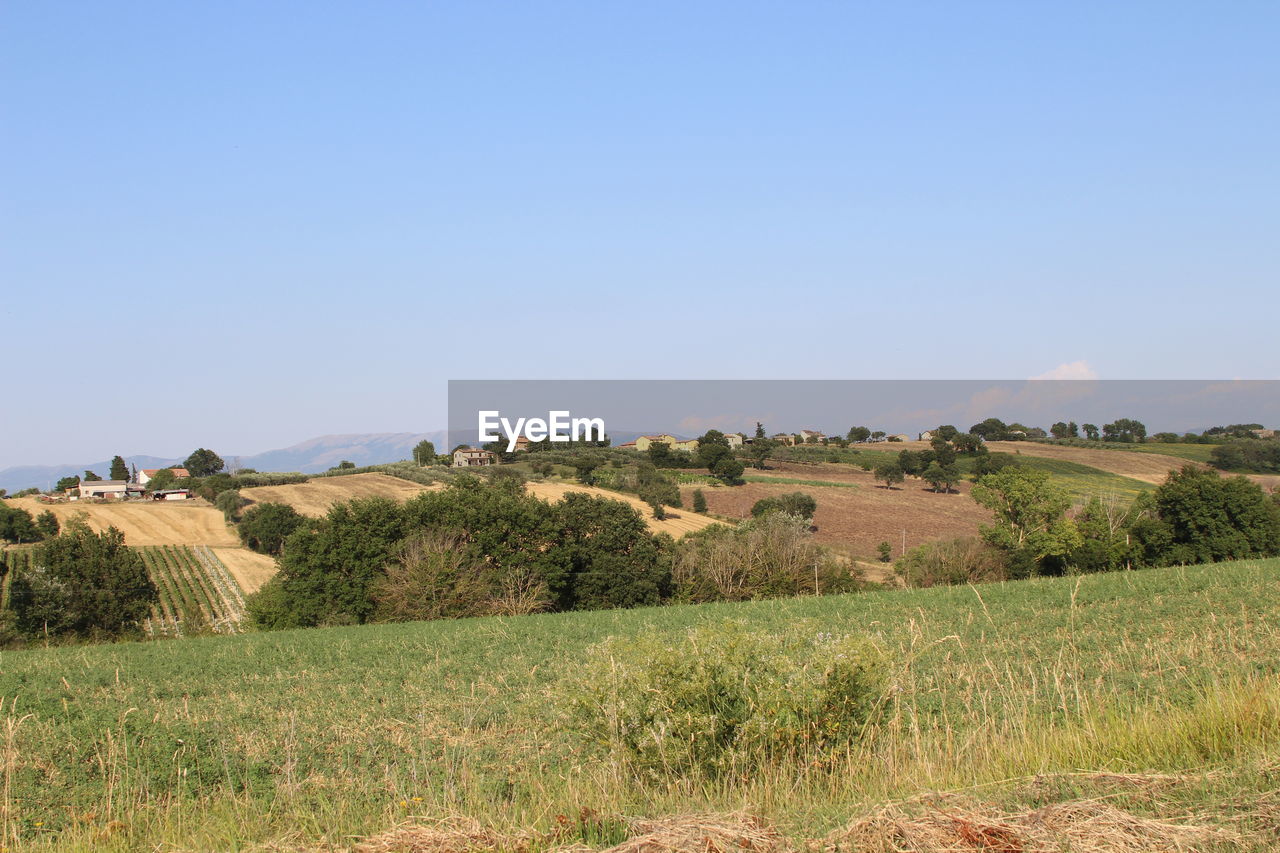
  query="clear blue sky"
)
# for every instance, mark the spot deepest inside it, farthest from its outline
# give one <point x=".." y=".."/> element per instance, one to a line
<point x="245" y="224"/>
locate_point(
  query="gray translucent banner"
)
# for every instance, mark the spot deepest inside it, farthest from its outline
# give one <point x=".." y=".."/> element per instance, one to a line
<point x="688" y="408"/>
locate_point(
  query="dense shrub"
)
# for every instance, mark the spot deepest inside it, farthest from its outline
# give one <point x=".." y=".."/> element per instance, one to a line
<point x="794" y="503"/>
<point x="952" y="561"/>
<point x="327" y="569"/>
<point x="1259" y="456"/>
<point x="721" y="699"/>
<point x="1203" y="517"/>
<point x="475" y="547"/>
<point x="229" y="503"/>
<point x="433" y="577"/>
<point x="767" y="557"/>
<point x="16" y="525"/>
<point x="265" y="527"/>
<point x="82" y="583"/>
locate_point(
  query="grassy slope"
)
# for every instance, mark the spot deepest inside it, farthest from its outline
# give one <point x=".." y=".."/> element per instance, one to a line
<point x="1193" y="452"/>
<point x="1082" y="481"/>
<point x="214" y="742"/>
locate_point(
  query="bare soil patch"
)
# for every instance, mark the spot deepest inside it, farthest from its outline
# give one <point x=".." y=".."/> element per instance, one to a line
<point x="859" y="518"/>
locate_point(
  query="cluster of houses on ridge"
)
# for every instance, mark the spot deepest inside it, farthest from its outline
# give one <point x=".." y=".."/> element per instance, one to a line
<point x="131" y="489"/>
<point x="471" y="457"/>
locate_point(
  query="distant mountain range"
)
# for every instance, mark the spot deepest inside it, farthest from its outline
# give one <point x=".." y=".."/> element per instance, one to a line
<point x="310" y="457"/>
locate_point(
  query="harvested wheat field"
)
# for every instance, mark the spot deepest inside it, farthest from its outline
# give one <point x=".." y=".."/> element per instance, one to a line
<point x="314" y="497"/>
<point x="859" y="514"/>
<point x="250" y="569"/>
<point x="677" y="523"/>
<point x="147" y="522"/>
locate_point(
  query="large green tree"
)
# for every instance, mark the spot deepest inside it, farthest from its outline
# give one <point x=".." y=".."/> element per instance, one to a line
<point x="119" y="468"/>
<point x="1207" y="517"/>
<point x="712" y="447"/>
<point x="265" y="527"/>
<point x="424" y="452"/>
<point x="85" y="583"/>
<point x="1126" y="430"/>
<point x="1030" y="514"/>
<point x="890" y="473"/>
<point x="203" y="463"/>
<point x="16" y="525"/>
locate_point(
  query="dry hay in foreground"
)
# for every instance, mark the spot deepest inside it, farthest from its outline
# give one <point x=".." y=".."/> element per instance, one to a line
<point x="735" y="833"/>
<point x="1082" y="826"/>
<point x="937" y="825"/>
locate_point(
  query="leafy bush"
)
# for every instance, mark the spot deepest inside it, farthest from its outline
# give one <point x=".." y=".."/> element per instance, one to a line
<point x="433" y="577"/>
<point x="85" y="583"/>
<point x="1204" y="517"/>
<point x="722" y="699"/>
<point x="16" y="525"/>
<point x="798" y="504"/>
<point x="953" y="561"/>
<point x="580" y="553"/>
<point x="265" y="527"/>
<point x="1259" y="456"/>
<point x="766" y="557"/>
<point x="229" y="503"/>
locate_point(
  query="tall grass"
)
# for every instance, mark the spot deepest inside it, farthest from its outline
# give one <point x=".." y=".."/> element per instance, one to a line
<point x="219" y="742"/>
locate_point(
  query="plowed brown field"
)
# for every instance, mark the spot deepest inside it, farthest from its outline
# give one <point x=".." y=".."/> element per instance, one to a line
<point x="861" y="517"/>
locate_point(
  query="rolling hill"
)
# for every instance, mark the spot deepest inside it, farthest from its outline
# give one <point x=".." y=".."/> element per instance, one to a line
<point x="309" y="457"/>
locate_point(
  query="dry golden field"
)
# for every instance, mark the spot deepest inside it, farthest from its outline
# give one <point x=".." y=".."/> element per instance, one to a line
<point x="147" y="522"/>
<point x="677" y="523"/>
<point x="250" y="569"/>
<point x="314" y="497"/>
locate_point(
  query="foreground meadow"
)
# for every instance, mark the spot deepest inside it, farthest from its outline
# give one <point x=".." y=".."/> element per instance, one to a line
<point x="1154" y="692"/>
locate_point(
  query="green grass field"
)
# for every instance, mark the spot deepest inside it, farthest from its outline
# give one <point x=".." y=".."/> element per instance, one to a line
<point x="1084" y="481"/>
<point x="293" y="737"/>
<point x="1192" y="452"/>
